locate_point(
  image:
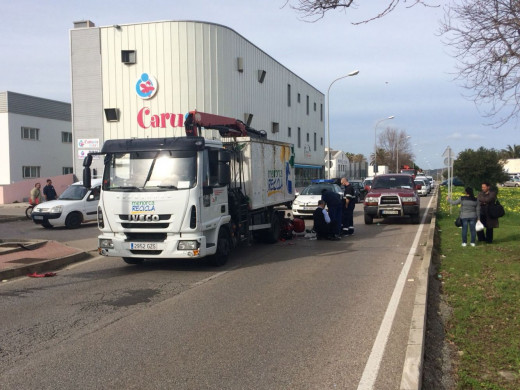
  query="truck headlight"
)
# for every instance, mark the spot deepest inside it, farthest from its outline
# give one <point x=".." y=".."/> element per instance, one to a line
<point x="187" y="245"/>
<point x="372" y="199"/>
<point x="56" y="209"/>
<point x="106" y="243"/>
<point x="409" y="199"/>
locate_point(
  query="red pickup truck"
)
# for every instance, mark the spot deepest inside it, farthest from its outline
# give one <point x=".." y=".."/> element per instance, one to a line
<point x="392" y="195"/>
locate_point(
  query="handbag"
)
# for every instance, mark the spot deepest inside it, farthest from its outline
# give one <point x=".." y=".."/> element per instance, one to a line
<point x="496" y="210"/>
<point x="458" y="222"/>
<point x="479" y="226"/>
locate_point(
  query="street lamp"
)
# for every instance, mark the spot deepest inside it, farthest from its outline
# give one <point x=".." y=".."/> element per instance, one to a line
<point x="397" y="154"/>
<point x="355" y="72"/>
<point x="375" y="141"/>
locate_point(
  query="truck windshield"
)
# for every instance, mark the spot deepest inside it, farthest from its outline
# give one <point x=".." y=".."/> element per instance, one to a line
<point x="150" y="171"/>
<point x="391" y="182"/>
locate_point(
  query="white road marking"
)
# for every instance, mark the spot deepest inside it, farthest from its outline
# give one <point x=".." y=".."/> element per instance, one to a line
<point x="368" y="379"/>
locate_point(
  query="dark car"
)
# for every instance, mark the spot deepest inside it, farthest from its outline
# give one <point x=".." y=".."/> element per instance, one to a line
<point x="359" y="190"/>
<point x="455" y="181"/>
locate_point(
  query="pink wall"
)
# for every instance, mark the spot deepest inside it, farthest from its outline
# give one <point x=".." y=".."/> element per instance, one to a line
<point x="19" y="192"/>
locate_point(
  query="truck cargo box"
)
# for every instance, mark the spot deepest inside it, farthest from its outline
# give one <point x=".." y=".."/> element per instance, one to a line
<point x="268" y="171"/>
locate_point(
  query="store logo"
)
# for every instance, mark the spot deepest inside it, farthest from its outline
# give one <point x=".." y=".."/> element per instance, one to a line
<point x="146" y="86"/>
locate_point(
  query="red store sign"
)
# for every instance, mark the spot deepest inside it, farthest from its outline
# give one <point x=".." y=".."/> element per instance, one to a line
<point x="146" y="119"/>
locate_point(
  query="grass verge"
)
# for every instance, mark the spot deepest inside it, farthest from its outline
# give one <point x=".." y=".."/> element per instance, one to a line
<point x="482" y="286"/>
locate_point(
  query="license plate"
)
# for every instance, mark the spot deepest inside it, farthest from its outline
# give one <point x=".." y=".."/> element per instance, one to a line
<point x="391" y="212"/>
<point x="38" y="217"/>
<point x="144" y="246"/>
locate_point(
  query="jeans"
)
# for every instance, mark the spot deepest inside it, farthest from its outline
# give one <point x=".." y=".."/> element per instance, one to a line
<point x="473" y="233"/>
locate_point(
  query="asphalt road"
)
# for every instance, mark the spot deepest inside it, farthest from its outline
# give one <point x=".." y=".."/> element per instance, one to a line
<point x="298" y="314"/>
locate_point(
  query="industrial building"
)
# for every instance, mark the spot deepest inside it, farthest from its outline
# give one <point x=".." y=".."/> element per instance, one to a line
<point x="36" y="138"/>
<point x="139" y="80"/>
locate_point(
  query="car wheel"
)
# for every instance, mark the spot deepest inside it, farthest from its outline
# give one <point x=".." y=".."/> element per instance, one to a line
<point x="223" y="249"/>
<point x="73" y="220"/>
<point x="368" y="219"/>
<point x="133" y="260"/>
<point x="46" y="225"/>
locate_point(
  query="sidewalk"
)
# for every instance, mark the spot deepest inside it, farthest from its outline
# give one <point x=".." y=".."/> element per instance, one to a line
<point x="23" y="256"/>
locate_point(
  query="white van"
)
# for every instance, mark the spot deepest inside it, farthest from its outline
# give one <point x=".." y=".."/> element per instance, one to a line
<point x="76" y="205"/>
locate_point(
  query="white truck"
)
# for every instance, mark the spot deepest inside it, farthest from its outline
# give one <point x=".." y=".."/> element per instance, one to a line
<point x="191" y="197"/>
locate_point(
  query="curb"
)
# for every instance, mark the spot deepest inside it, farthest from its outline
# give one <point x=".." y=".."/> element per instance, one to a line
<point x="411" y="378"/>
<point x="44" y="266"/>
<point x="11" y="218"/>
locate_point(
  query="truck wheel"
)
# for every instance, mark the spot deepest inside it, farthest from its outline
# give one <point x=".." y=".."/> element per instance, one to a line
<point x="73" y="220"/>
<point x="415" y="218"/>
<point x="133" y="260"/>
<point x="272" y="234"/>
<point x="223" y="249"/>
<point x="368" y="219"/>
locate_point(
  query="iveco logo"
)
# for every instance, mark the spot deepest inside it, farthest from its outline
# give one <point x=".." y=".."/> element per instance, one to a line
<point x="144" y="217"/>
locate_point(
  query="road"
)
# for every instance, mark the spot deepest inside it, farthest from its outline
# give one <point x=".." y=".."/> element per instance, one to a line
<point x="294" y="315"/>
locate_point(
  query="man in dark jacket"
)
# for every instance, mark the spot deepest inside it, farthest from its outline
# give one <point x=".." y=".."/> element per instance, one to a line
<point x="321" y="221"/>
<point x="48" y="191"/>
<point x="349" y="202"/>
<point x="486" y="197"/>
<point x="333" y="200"/>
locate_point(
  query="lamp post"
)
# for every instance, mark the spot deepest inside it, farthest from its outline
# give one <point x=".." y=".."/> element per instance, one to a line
<point x="397" y="154"/>
<point x="375" y="140"/>
<point x="353" y="73"/>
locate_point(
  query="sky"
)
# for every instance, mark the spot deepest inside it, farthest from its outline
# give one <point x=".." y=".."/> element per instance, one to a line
<point x="405" y="70"/>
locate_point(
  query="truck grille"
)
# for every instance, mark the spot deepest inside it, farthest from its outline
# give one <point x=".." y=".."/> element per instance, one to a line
<point x="389" y="200"/>
<point x="126" y="217"/>
<point x="146" y="237"/>
<point x="138" y="225"/>
<point x="149" y="253"/>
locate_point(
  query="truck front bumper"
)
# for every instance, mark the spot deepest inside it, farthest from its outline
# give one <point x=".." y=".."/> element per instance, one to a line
<point x="391" y="211"/>
<point x="117" y="245"/>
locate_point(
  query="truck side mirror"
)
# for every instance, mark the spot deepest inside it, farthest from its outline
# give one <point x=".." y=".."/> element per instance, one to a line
<point x="224" y="174"/>
<point x="87" y="177"/>
<point x="224" y="156"/>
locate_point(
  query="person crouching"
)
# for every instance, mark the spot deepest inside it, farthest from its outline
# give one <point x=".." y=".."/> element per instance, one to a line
<point x="321" y="221"/>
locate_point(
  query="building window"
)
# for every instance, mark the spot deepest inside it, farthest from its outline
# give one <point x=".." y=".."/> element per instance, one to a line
<point x="30" y="133"/>
<point x="321" y="141"/>
<point x="30" y="172"/>
<point x="315" y="137"/>
<point x="67" y="170"/>
<point x="308" y="104"/>
<point x="288" y="95"/>
<point x="128" y="56"/>
<point x="321" y="112"/>
<point x="314" y="106"/>
<point x="299" y="137"/>
<point x="275" y="128"/>
<point x="289" y="132"/>
<point x="299" y="98"/>
<point x="307" y="137"/>
<point x="66" y="137"/>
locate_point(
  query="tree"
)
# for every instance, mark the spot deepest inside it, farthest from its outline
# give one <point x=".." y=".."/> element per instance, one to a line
<point x="484" y="35"/>
<point x="474" y="167"/>
<point x="395" y="142"/>
<point x="349" y="156"/>
<point x="316" y="9"/>
<point x="510" y="152"/>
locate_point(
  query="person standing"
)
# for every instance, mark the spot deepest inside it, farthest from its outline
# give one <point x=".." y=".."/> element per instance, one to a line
<point x="487" y="197"/>
<point x="349" y="199"/>
<point x="48" y="191"/>
<point x="35" y="196"/>
<point x="321" y="221"/>
<point x="469" y="214"/>
<point x="333" y="201"/>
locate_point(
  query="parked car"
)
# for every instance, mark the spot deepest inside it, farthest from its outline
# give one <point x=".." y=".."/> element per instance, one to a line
<point x="455" y="181"/>
<point x="512" y="182"/>
<point x="76" y="205"/>
<point x="307" y="201"/>
<point x="426" y="183"/>
<point x="367" y="183"/>
<point x="422" y="189"/>
<point x="359" y="190"/>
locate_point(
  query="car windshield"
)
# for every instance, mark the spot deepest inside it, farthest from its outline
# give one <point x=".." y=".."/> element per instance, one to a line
<point x="391" y="182"/>
<point x="76" y="192"/>
<point x="150" y="171"/>
<point x="316" y="189"/>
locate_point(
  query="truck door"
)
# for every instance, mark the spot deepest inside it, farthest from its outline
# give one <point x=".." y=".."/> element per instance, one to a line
<point x="214" y="198"/>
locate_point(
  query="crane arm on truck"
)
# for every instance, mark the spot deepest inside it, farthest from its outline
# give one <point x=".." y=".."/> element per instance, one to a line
<point x="227" y="127"/>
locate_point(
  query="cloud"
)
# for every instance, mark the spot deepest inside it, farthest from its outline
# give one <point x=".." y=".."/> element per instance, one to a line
<point x="455" y="135"/>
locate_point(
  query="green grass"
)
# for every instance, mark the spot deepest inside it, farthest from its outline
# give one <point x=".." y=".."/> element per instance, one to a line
<point x="482" y="286"/>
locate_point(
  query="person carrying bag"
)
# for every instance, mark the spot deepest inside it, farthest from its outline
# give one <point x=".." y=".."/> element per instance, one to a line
<point x="486" y="199"/>
<point x="469" y="214"/>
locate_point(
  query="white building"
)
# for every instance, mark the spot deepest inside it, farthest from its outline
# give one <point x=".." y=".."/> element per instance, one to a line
<point x="35" y="136"/>
<point x="139" y="80"/>
<point x="512" y="166"/>
<point x="341" y="166"/>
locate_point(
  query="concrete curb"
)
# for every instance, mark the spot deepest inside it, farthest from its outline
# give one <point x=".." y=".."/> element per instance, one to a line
<point x="43" y="266"/>
<point x="411" y="378"/>
<point x="11" y="218"/>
